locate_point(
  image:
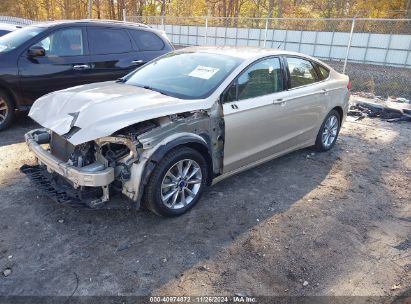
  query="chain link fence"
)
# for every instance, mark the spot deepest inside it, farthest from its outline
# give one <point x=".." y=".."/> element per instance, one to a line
<point x="15" y="20"/>
<point x="375" y="53"/>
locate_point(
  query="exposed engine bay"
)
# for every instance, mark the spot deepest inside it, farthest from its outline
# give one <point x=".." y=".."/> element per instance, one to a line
<point x="126" y="153"/>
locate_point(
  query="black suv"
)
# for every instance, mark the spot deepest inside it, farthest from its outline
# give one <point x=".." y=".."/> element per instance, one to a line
<point x="46" y="57"/>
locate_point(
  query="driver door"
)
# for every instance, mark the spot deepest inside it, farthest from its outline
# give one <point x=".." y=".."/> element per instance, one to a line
<point x="65" y="64"/>
<point x="254" y="112"/>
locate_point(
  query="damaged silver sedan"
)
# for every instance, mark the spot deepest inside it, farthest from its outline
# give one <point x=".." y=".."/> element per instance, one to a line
<point x="186" y="120"/>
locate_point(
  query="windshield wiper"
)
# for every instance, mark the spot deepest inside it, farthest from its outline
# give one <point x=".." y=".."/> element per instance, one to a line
<point x="155" y="90"/>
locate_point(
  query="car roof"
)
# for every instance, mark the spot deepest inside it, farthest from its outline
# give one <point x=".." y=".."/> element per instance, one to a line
<point x="94" y="22"/>
<point x="246" y="52"/>
<point x="9" y="27"/>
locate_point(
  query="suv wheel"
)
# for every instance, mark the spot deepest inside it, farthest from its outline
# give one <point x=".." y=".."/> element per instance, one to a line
<point x="177" y="182"/>
<point x="328" y="133"/>
<point x="6" y="110"/>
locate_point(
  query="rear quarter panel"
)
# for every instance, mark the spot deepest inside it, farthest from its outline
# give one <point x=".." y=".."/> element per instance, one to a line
<point x="339" y="94"/>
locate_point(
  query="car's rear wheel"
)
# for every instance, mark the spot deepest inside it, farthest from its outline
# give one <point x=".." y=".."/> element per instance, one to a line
<point x="6" y="110"/>
<point x="177" y="182"/>
<point x="328" y="133"/>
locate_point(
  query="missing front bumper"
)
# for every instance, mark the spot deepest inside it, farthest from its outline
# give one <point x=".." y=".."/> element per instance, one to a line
<point x="64" y="182"/>
<point x="61" y="191"/>
<point x="78" y="176"/>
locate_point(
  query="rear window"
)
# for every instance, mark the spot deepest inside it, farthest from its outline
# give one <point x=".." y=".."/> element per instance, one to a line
<point x="147" y="41"/>
<point x="108" y="41"/>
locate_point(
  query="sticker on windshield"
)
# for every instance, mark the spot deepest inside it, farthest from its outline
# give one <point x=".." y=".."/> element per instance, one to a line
<point x="203" y="72"/>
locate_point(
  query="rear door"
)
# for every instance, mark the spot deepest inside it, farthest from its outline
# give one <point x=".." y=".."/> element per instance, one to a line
<point x="64" y="65"/>
<point x="332" y="90"/>
<point x="112" y="53"/>
<point x="306" y="100"/>
<point x="148" y="44"/>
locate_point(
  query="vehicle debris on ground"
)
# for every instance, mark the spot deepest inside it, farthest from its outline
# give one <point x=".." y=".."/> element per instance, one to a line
<point x="392" y="109"/>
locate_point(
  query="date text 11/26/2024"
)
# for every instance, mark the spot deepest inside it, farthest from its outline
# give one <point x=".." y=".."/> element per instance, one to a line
<point x="203" y="299"/>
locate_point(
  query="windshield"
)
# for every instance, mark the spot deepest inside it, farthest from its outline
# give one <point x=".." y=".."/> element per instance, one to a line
<point x="15" y="39"/>
<point x="185" y="75"/>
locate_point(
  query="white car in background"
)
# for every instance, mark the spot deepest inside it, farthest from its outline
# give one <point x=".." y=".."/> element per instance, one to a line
<point x="6" y="28"/>
<point x="185" y="120"/>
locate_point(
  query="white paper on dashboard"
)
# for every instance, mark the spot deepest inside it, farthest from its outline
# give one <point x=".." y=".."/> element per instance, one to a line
<point x="203" y="72"/>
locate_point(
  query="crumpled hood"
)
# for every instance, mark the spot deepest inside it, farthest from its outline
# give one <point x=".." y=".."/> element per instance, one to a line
<point x="100" y="109"/>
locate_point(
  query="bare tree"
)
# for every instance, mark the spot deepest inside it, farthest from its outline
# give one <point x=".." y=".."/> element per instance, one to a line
<point x="97" y="5"/>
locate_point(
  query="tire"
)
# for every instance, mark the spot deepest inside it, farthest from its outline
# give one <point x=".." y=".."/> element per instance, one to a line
<point x="167" y="189"/>
<point x="328" y="133"/>
<point x="6" y="110"/>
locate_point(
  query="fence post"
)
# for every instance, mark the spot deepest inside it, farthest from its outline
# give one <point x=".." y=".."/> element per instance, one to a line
<point x="124" y="15"/>
<point x="206" y="27"/>
<point x="265" y="33"/>
<point x="162" y="22"/>
<point x="349" y="44"/>
<point x="408" y="55"/>
<point x="90" y="9"/>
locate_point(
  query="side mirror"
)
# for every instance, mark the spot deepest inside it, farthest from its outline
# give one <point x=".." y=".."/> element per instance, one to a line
<point x="36" y="51"/>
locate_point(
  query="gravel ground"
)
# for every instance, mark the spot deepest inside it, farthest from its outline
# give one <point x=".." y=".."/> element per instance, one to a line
<point x="336" y="223"/>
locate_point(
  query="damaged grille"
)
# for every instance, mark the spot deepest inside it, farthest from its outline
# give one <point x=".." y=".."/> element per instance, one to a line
<point x="60" y="147"/>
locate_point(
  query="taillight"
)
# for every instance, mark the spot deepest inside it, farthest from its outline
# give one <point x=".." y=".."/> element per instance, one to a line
<point x="349" y="85"/>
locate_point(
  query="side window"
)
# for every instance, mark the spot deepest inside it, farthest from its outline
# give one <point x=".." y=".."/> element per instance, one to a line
<point x="147" y="41"/>
<point x="108" y="41"/>
<point x="64" y="42"/>
<point x="301" y="71"/>
<point x="262" y="78"/>
<point x="324" y="72"/>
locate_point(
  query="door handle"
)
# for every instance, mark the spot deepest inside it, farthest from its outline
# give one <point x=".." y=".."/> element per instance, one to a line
<point x="137" y="61"/>
<point x="325" y="92"/>
<point x="80" y="67"/>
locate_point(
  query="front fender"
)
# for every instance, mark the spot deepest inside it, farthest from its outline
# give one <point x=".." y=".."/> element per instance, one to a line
<point x="141" y="172"/>
<point x="178" y="140"/>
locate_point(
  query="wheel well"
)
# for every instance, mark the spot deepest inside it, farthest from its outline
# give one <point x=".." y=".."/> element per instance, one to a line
<point x="153" y="162"/>
<point x="205" y="152"/>
<point x="9" y="94"/>
<point x="340" y="112"/>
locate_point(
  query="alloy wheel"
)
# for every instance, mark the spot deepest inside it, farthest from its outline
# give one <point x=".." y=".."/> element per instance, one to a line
<point x="330" y="131"/>
<point x="4" y="110"/>
<point x="181" y="184"/>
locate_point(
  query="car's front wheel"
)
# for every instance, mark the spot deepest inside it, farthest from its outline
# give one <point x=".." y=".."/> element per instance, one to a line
<point x="177" y="182"/>
<point x="328" y="133"/>
<point x="6" y="110"/>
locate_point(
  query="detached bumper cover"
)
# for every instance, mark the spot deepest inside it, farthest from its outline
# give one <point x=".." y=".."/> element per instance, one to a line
<point x="78" y="176"/>
<point x="58" y="190"/>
